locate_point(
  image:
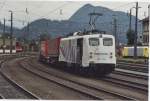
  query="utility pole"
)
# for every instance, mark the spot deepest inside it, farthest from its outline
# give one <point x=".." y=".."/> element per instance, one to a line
<point x="26" y="37"/>
<point x="11" y="33"/>
<point x="4" y="36"/>
<point x="27" y="30"/>
<point x="135" y="35"/>
<point x="130" y="19"/>
<point x="115" y="32"/>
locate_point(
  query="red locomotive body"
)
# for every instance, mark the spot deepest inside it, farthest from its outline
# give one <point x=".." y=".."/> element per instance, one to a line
<point x="19" y="47"/>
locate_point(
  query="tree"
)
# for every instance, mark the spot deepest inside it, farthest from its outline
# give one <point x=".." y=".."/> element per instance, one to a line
<point x="130" y="36"/>
<point x="6" y="35"/>
<point x="44" y="36"/>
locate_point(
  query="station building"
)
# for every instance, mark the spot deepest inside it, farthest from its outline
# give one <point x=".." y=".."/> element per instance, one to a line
<point x="145" y="24"/>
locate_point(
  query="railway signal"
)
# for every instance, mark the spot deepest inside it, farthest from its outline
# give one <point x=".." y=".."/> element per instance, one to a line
<point x="135" y="36"/>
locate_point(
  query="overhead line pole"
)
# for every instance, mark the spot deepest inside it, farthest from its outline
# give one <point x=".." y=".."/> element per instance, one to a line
<point x="115" y="30"/>
<point x="27" y="28"/>
<point x="4" y="35"/>
<point x="11" y="33"/>
<point x="136" y="32"/>
<point x="130" y="19"/>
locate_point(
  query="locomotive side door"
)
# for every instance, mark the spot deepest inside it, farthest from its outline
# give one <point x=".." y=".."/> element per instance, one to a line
<point x="79" y="50"/>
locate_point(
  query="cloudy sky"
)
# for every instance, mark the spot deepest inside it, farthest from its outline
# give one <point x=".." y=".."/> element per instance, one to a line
<point x="27" y="10"/>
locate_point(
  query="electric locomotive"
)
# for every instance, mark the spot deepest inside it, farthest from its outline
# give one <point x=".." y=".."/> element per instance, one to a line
<point x="90" y="52"/>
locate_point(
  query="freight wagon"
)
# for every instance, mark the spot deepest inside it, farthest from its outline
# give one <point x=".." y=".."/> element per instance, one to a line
<point x="142" y="51"/>
<point x="91" y="52"/>
<point x="49" y="50"/>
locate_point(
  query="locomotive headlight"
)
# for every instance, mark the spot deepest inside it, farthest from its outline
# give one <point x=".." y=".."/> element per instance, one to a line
<point x="91" y="55"/>
<point x="111" y="56"/>
<point x="110" y="53"/>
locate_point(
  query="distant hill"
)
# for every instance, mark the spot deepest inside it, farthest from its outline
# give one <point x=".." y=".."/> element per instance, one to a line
<point x="54" y="28"/>
<point x="16" y="31"/>
<point x="79" y="21"/>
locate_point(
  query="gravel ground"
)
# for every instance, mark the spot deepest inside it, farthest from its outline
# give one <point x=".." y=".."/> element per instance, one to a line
<point x="10" y="92"/>
<point x="42" y="88"/>
<point x="138" y="94"/>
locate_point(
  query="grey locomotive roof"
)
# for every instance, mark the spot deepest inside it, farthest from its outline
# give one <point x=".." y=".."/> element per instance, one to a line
<point x="87" y="36"/>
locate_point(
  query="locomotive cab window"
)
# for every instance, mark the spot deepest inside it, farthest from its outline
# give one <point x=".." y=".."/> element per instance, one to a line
<point x="93" y="41"/>
<point x="107" y="42"/>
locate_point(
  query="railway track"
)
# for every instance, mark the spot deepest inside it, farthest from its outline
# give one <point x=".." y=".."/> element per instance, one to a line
<point x="20" y="90"/>
<point x="2" y="97"/>
<point x="64" y="84"/>
<point x="129" y="79"/>
<point x="85" y="85"/>
<point x="25" y="92"/>
<point x="134" y="64"/>
<point x="92" y="91"/>
<point x="131" y="74"/>
<point x="134" y="67"/>
<point x="120" y="81"/>
<point x="125" y="81"/>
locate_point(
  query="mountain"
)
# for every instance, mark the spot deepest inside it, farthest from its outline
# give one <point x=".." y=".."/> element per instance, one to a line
<point x="80" y="21"/>
<point x="106" y="21"/>
<point x="16" y="31"/>
<point x="54" y="28"/>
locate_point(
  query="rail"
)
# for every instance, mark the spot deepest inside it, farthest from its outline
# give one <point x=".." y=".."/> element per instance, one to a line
<point x="12" y="82"/>
<point x="92" y="91"/>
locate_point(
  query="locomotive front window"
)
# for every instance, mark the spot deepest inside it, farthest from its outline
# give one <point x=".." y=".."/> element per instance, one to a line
<point x="107" y="42"/>
<point x="93" y="41"/>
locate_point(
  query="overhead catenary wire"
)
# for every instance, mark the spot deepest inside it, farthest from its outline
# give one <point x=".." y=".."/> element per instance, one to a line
<point x="122" y="6"/>
<point x="57" y="8"/>
<point x="60" y="7"/>
<point x="35" y="14"/>
<point x="50" y="12"/>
